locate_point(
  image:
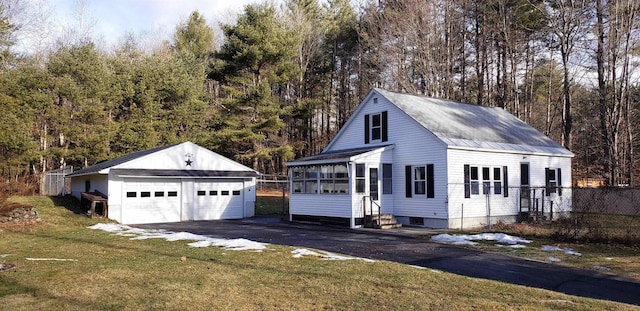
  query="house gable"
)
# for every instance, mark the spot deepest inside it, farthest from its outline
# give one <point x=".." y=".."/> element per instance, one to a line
<point x="361" y="129"/>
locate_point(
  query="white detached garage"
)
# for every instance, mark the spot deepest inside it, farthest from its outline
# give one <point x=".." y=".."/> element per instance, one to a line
<point x="173" y="183"/>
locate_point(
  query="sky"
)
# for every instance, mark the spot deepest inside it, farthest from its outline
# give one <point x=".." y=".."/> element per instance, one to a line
<point x="107" y="22"/>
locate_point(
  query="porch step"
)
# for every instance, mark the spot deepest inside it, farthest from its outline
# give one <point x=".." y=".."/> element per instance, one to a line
<point x="382" y="221"/>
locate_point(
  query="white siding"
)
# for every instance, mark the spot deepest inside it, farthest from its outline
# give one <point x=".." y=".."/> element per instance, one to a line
<point x="475" y="210"/>
<point x="413" y="145"/>
<point x="331" y="205"/>
<point x="114" y="199"/>
<point x="97" y="182"/>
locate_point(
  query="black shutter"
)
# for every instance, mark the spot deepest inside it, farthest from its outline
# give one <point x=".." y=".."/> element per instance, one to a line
<point x="430" y="181"/>
<point x="385" y="134"/>
<point x="407" y="178"/>
<point x="559" y="178"/>
<point x="467" y="182"/>
<point x="546" y="181"/>
<point x="366" y="129"/>
<point x="505" y="182"/>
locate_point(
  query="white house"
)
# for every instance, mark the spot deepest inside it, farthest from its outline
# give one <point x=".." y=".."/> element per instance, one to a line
<point x="173" y="183"/>
<point x="432" y="163"/>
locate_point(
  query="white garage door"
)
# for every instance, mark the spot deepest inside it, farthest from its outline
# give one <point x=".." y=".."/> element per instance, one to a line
<point x="218" y="199"/>
<point x="151" y="200"/>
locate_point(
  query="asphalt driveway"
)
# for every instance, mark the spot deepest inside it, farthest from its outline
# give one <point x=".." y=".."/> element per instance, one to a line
<point x="406" y="246"/>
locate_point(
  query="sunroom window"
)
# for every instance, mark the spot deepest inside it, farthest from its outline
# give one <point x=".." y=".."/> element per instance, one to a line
<point x="311" y="179"/>
<point x="297" y="177"/>
<point x="324" y="179"/>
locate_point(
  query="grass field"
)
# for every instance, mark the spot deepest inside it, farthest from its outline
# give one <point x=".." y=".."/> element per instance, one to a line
<point x="115" y="273"/>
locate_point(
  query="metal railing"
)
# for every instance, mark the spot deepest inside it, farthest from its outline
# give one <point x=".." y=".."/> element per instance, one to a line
<point x="371" y="204"/>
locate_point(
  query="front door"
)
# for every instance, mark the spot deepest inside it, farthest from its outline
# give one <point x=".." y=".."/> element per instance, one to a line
<point x="373" y="183"/>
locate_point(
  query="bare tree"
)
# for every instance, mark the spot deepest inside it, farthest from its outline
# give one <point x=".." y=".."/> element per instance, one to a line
<point x="616" y="31"/>
<point x="568" y="21"/>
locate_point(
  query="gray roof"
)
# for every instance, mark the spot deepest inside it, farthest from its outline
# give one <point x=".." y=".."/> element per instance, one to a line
<point x="472" y="126"/>
<point x="107" y="164"/>
<point x="182" y="173"/>
<point x="337" y="155"/>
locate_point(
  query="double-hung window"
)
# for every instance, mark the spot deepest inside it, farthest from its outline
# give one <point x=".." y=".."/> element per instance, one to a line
<point x="495" y="177"/>
<point x="360" y="178"/>
<point x="475" y="184"/>
<point x="497" y="180"/>
<point x="553" y="180"/>
<point x="387" y="178"/>
<point x="420" y="181"/>
<point x="486" y="180"/>
<point x="375" y="127"/>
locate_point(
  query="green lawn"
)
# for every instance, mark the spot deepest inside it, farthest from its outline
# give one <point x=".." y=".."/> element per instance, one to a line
<point x="270" y="204"/>
<point x="116" y="273"/>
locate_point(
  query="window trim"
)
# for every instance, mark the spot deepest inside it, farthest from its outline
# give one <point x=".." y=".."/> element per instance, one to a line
<point x="411" y="182"/>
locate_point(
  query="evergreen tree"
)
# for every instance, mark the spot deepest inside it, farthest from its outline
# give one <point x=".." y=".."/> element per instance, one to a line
<point x="254" y="65"/>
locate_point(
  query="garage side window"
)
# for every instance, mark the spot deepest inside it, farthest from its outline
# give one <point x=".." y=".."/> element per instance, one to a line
<point x="131" y="194"/>
<point x="145" y="194"/>
<point x="202" y="193"/>
<point x="172" y="193"/>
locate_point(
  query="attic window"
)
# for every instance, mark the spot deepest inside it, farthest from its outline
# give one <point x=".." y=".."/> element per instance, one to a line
<point x="375" y="100"/>
<point x="375" y="127"/>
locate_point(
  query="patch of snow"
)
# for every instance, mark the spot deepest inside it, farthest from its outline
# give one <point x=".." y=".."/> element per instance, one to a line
<point x="567" y="251"/>
<point x="5" y="255"/>
<point x="609" y="258"/>
<point x="417" y="267"/>
<point x="50" y="259"/>
<point x="559" y="300"/>
<point x="517" y="246"/>
<point x="235" y="244"/>
<point x="553" y="259"/>
<point x="200" y="240"/>
<point x="464" y="239"/>
<point x="601" y="268"/>
<point x="301" y="252"/>
<point x="452" y="239"/>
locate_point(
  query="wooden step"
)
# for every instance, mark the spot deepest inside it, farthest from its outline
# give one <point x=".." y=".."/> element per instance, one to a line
<point x="390" y="226"/>
<point x="382" y="221"/>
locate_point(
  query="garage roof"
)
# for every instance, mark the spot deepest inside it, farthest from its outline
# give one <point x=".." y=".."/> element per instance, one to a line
<point x="95" y="169"/>
<point x="181" y="173"/>
<point x="179" y="160"/>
